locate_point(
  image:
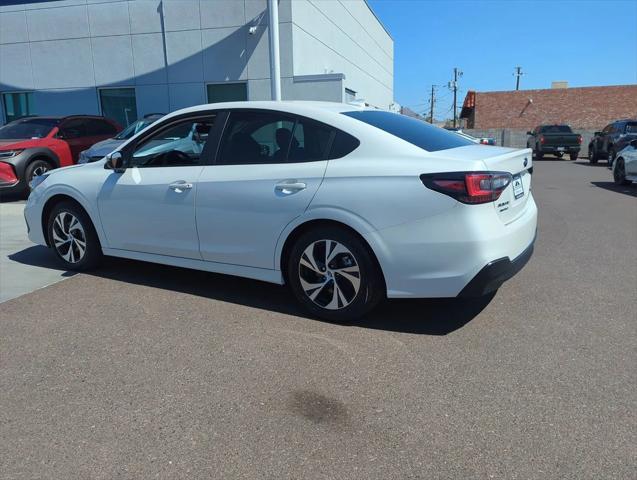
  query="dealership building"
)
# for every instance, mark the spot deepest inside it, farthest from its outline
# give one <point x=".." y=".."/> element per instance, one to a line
<point x="128" y="58"/>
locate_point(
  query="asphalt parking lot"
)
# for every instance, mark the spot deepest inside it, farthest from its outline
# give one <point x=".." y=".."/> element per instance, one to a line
<point x="145" y="371"/>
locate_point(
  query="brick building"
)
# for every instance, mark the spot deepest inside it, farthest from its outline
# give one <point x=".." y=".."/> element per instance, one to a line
<point x="581" y="107"/>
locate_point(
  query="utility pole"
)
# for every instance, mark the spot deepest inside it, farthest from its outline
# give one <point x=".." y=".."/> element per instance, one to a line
<point x="518" y="73"/>
<point x="431" y="104"/>
<point x="453" y="85"/>
<point x="275" y="59"/>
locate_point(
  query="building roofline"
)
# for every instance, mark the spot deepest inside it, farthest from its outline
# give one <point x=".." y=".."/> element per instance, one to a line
<point x="379" y="20"/>
<point x="556" y="89"/>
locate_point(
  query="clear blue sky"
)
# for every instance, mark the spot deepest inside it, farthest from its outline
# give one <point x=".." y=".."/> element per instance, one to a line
<point x="584" y="42"/>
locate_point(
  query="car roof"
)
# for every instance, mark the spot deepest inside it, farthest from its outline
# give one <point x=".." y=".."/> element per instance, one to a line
<point x="291" y="106"/>
<point x="60" y="117"/>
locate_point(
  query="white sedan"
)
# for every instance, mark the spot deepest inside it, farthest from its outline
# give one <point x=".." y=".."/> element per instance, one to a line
<point x="625" y="165"/>
<point x="345" y="205"/>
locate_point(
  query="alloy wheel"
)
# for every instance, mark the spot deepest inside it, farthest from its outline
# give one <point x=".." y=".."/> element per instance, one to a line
<point x="69" y="237"/>
<point x="37" y="171"/>
<point x="329" y="274"/>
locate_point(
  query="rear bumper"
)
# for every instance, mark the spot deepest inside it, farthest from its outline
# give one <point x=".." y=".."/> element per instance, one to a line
<point x="554" y="148"/>
<point x="440" y="255"/>
<point x="495" y="273"/>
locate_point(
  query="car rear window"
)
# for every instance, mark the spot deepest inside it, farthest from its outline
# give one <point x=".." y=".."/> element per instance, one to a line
<point x="631" y="127"/>
<point x="416" y="132"/>
<point x="556" y="129"/>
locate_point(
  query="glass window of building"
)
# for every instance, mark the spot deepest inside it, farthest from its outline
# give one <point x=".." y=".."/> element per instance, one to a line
<point x="119" y="104"/>
<point x="17" y="105"/>
<point x="227" y="92"/>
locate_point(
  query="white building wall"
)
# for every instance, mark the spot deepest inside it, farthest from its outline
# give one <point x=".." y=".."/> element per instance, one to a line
<point x="344" y="36"/>
<point x="66" y="50"/>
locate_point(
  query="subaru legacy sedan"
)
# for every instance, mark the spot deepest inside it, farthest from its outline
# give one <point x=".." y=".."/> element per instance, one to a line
<point x="345" y="205"/>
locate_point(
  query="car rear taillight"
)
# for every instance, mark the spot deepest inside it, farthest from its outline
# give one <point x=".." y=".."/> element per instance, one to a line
<point x="468" y="187"/>
<point x="542" y="140"/>
<point x="7" y="174"/>
<point x="579" y="139"/>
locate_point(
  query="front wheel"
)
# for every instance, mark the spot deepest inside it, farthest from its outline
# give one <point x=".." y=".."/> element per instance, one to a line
<point x="611" y="157"/>
<point x="538" y="155"/>
<point x="619" y="173"/>
<point x="35" y="169"/>
<point x="72" y="236"/>
<point x="592" y="156"/>
<point x="332" y="273"/>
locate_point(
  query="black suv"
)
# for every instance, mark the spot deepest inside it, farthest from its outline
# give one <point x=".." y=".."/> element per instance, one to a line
<point x="612" y="139"/>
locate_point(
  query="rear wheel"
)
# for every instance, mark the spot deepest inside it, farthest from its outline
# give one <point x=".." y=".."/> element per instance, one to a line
<point x="573" y="156"/>
<point x="539" y="155"/>
<point x="72" y="236"/>
<point x="333" y="274"/>
<point x="619" y="173"/>
<point x="592" y="155"/>
<point x="611" y="156"/>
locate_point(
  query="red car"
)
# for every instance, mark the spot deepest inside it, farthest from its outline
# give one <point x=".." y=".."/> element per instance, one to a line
<point x="32" y="145"/>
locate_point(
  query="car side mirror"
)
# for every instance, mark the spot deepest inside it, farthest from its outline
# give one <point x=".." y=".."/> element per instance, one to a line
<point x="115" y="162"/>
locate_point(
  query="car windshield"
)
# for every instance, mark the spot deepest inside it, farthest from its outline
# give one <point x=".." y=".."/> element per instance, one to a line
<point x="133" y="128"/>
<point x="31" y="128"/>
<point x="631" y="127"/>
<point x="556" y="129"/>
<point x="416" y="132"/>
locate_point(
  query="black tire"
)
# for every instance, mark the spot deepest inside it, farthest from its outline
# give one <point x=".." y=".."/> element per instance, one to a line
<point x="35" y="168"/>
<point x="611" y="156"/>
<point x="592" y="156"/>
<point x="573" y="156"/>
<point x="357" y="303"/>
<point x="619" y="173"/>
<point x="538" y="155"/>
<point x="76" y="259"/>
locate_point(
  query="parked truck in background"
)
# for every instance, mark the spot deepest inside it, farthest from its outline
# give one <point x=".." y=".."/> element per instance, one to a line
<point x="612" y="139"/>
<point x="557" y="140"/>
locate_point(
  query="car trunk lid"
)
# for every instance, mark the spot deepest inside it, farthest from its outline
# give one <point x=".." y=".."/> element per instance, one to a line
<point x="519" y="164"/>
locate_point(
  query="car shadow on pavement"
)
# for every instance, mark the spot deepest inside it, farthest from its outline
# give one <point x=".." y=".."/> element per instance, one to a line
<point x="630" y="190"/>
<point x="604" y="164"/>
<point x="419" y="316"/>
<point x="11" y="197"/>
<point x="39" y="256"/>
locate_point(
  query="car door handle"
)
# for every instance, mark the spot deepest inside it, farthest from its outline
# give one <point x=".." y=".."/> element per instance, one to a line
<point x="289" y="187"/>
<point x="180" y="186"/>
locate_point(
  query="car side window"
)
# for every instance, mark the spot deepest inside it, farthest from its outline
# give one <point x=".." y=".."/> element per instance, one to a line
<point x="176" y="145"/>
<point x="263" y="137"/>
<point x="608" y="129"/>
<point x="97" y="127"/>
<point x="311" y="141"/>
<point x="256" y="138"/>
<point x="74" y="128"/>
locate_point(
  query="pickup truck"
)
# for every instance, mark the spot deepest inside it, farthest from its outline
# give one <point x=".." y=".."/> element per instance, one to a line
<point x="554" y="139"/>
<point x="613" y="138"/>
